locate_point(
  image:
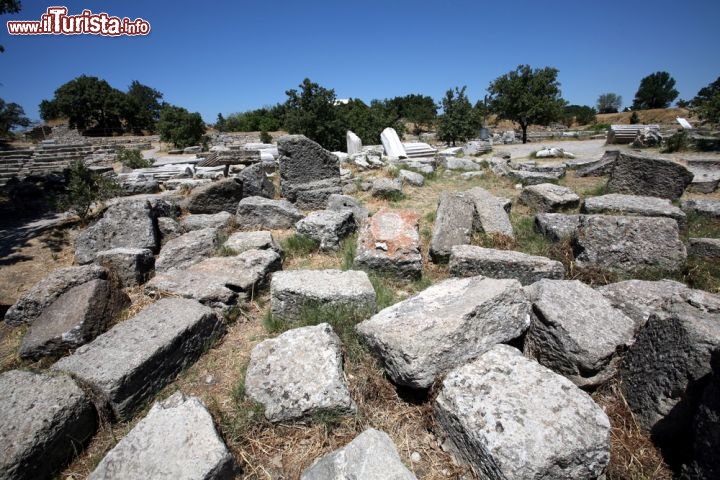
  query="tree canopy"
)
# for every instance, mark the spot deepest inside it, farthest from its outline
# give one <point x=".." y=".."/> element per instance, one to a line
<point x="180" y="127"/>
<point x="311" y="112"/>
<point x="92" y="105"/>
<point x="527" y="96"/>
<point x="11" y="115"/>
<point x="707" y="102"/>
<point x="9" y="6"/>
<point x="609" y="103"/>
<point x="657" y="90"/>
<point x="417" y="109"/>
<point x="457" y="121"/>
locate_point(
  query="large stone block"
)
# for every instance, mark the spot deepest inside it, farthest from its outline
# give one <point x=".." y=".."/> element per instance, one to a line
<point x="327" y="227"/>
<point x="219" y="281"/>
<point x="370" y="456"/>
<point x="260" y="240"/>
<point x="629" y="244"/>
<point x="33" y="302"/>
<point x="619" y="204"/>
<point x="444" y="326"/>
<point x="454" y="224"/>
<point x="75" y="318"/>
<point x="651" y="177"/>
<point x="220" y="196"/>
<point x="513" y="419"/>
<point x="126" y="224"/>
<point x="389" y="243"/>
<point x="199" y="221"/>
<point x="176" y="440"/>
<point x="131" y="362"/>
<point x="306" y="167"/>
<point x="187" y="249"/>
<point x="548" y="197"/>
<point x="131" y="266"/>
<point x="557" y="226"/>
<point x="666" y="370"/>
<point x="469" y="260"/>
<point x="575" y="331"/>
<point x="294" y="290"/>
<point x="258" y="213"/>
<point x="491" y="213"/>
<point x="46" y="419"/>
<point x="298" y="374"/>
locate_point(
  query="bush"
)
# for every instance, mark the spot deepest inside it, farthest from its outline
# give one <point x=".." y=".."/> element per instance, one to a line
<point x="634" y="118"/>
<point x="132" y="158"/>
<point x="599" y="127"/>
<point x="180" y="127"/>
<point x="677" y="142"/>
<point x="265" y="137"/>
<point x="86" y="187"/>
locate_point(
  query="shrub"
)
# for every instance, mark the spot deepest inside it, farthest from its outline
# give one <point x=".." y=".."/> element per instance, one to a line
<point x="634" y="118"/>
<point x="265" y="137"/>
<point x="86" y="187"/>
<point x="677" y="142"/>
<point x="180" y="127"/>
<point x="132" y="158"/>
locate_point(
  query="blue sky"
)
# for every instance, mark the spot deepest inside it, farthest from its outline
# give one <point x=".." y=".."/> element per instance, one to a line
<point x="222" y="56"/>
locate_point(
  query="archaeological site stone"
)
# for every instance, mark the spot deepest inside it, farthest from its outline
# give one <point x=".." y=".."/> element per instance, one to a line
<point x="444" y="326"/>
<point x="620" y="204"/>
<point x="371" y="456"/>
<point x="327" y="227"/>
<point x="513" y="419"/>
<point x="260" y="240"/>
<point x="548" y="197"/>
<point x="470" y="260"/>
<point x="293" y="291"/>
<point x="130" y="266"/>
<point x="454" y="224"/>
<point x="136" y="358"/>
<point x="309" y="174"/>
<point x="220" y="196"/>
<point x="46" y="419"/>
<point x="41" y="295"/>
<point x="258" y="213"/>
<point x="298" y="374"/>
<point x="187" y="249"/>
<point x="177" y="439"/>
<point x="389" y="243"/>
<point x="199" y="221"/>
<point x="575" y="331"/>
<point x="651" y="177"/>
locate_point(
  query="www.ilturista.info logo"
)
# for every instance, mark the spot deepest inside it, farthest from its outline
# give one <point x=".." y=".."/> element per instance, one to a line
<point x="57" y="22"/>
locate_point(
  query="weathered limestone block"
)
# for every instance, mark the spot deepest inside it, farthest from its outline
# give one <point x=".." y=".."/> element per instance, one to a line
<point x="177" y="439"/>
<point x="444" y="326"/>
<point x="294" y="290"/>
<point x="299" y="373"/>
<point x="136" y="358"/>
<point x="389" y="243"/>
<point x="371" y="456"/>
<point x="469" y="260"/>
<point x="46" y="419"/>
<point x="575" y="331"/>
<point x="513" y="419"/>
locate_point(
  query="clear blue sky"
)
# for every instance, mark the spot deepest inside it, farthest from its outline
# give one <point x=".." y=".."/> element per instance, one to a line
<point x="231" y="56"/>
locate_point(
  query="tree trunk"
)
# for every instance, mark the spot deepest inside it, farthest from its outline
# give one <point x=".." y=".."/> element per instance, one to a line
<point x="524" y="129"/>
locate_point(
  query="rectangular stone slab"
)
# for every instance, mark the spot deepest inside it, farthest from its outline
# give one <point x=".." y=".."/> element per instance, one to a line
<point x="135" y="359"/>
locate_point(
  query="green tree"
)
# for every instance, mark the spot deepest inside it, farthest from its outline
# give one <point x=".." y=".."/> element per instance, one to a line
<point x="11" y="115"/>
<point x="417" y="109"/>
<point x="9" y="6"/>
<point x="180" y="127"/>
<point x="221" y="123"/>
<point x="609" y="103"/>
<point x="142" y="108"/>
<point x="368" y="121"/>
<point x="707" y="102"/>
<point x="657" y="90"/>
<point x="457" y="122"/>
<point x="527" y="96"/>
<point x="581" y="114"/>
<point x="311" y="111"/>
<point x="88" y="103"/>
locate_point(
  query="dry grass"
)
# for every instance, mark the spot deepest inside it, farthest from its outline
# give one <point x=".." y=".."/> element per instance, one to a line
<point x="632" y="454"/>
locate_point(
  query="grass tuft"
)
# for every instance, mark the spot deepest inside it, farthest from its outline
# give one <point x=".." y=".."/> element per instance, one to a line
<point x="224" y="251"/>
<point x="384" y="293"/>
<point x="348" y="250"/>
<point x="298" y="245"/>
